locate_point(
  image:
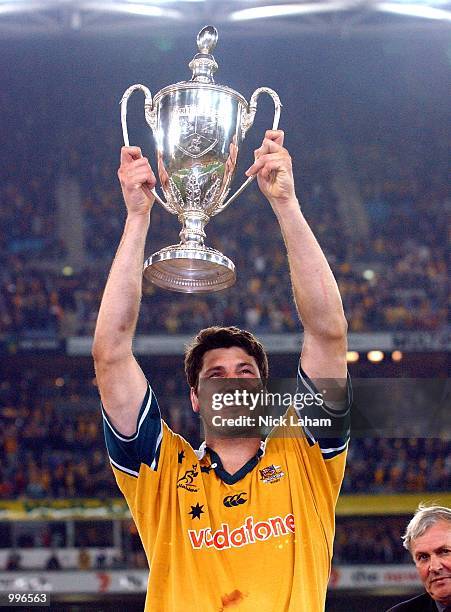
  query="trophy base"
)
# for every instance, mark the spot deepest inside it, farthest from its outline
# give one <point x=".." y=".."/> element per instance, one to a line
<point x="179" y="268"/>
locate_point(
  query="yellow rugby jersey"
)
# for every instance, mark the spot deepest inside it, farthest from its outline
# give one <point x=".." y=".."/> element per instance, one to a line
<point x="258" y="540"/>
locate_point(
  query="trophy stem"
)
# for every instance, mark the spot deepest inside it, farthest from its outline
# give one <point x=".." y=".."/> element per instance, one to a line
<point x="192" y="233"/>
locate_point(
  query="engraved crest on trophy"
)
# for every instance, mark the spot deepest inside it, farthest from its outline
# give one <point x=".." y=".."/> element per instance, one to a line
<point x="198" y="134"/>
<point x="198" y="127"/>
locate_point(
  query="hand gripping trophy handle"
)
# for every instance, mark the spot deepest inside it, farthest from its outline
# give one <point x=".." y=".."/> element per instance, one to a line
<point x="148" y="113"/>
<point x="248" y="120"/>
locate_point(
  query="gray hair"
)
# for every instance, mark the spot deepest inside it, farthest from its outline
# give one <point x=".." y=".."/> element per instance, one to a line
<point x="424" y="517"/>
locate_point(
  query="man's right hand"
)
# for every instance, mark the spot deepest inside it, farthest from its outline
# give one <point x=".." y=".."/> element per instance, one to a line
<point x="137" y="180"/>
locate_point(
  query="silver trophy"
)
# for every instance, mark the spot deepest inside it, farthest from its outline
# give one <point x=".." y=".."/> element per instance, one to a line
<point x="198" y="128"/>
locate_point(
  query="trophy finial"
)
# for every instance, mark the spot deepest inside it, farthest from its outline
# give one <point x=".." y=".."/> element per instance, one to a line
<point x="207" y="39"/>
<point x="203" y="63"/>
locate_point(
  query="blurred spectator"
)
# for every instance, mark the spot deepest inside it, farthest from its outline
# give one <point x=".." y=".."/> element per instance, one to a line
<point x="53" y="562"/>
<point x="13" y="562"/>
<point x="100" y="561"/>
<point x="84" y="559"/>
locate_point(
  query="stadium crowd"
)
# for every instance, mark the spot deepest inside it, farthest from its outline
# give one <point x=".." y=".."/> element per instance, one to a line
<point x="358" y="541"/>
<point x="392" y="273"/>
<point x="394" y="279"/>
<point x="372" y="540"/>
<point x="52" y="446"/>
<point x="391" y="270"/>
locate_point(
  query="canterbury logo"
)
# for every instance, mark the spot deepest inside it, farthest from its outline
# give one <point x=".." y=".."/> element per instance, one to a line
<point x="234" y="500"/>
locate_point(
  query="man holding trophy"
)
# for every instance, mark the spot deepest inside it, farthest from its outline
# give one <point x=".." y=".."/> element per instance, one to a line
<point x="242" y="523"/>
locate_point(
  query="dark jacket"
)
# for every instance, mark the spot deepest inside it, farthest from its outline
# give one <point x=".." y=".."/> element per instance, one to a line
<point x="421" y="603"/>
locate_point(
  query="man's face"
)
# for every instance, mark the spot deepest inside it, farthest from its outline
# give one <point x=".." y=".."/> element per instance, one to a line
<point x="231" y="362"/>
<point x="219" y="373"/>
<point x="432" y="555"/>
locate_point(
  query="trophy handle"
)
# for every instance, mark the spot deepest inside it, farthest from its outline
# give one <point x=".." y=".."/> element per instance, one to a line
<point x="248" y="120"/>
<point x="149" y="114"/>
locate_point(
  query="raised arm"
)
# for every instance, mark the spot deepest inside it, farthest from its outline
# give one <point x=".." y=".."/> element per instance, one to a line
<point x="315" y="290"/>
<point x="121" y="382"/>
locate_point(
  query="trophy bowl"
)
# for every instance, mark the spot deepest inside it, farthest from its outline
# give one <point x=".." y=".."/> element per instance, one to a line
<point x="198" y="127"/>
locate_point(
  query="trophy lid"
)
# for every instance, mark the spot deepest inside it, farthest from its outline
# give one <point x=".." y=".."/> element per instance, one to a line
<point x="203" y="66"/>
<point x="203" y="63"/>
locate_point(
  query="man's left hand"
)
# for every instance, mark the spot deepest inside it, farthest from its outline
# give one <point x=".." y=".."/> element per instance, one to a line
<point x="273" y="169"/>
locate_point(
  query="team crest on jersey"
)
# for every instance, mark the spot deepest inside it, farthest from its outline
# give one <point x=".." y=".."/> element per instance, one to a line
<point x="271" y="473"/>
<point x="187" y="480"/>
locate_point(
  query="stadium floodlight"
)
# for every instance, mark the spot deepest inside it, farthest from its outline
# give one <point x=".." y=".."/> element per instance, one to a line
<point x="11" y="7"/>
<point x="375" y="356"/>
<point x="368" y="274"/>
<point x="158" y="2"/>
<point x="413" y="10"/>
<point x="352" y="356"/>
<point x="131" y="8"/>
<point x="422" y="2"/>
<point x="286" y="10"/>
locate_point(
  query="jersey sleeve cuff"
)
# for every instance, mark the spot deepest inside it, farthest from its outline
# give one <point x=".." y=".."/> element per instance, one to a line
<point x="332" y="440"/>
<point x="126" y="453"/>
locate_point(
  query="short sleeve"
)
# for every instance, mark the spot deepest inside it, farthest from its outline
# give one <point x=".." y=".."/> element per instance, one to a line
<point x="332" y="438"/>
<point x="126" y="453"/>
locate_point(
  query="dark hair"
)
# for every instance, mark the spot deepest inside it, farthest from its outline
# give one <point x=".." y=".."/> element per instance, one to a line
<point x="222" y="337"/>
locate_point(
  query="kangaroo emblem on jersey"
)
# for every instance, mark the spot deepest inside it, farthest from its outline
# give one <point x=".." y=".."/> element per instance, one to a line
<point x="186" y="481"/>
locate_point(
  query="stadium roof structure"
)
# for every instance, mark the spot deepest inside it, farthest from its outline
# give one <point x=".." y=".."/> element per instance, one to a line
<point x="22" y="18"/>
